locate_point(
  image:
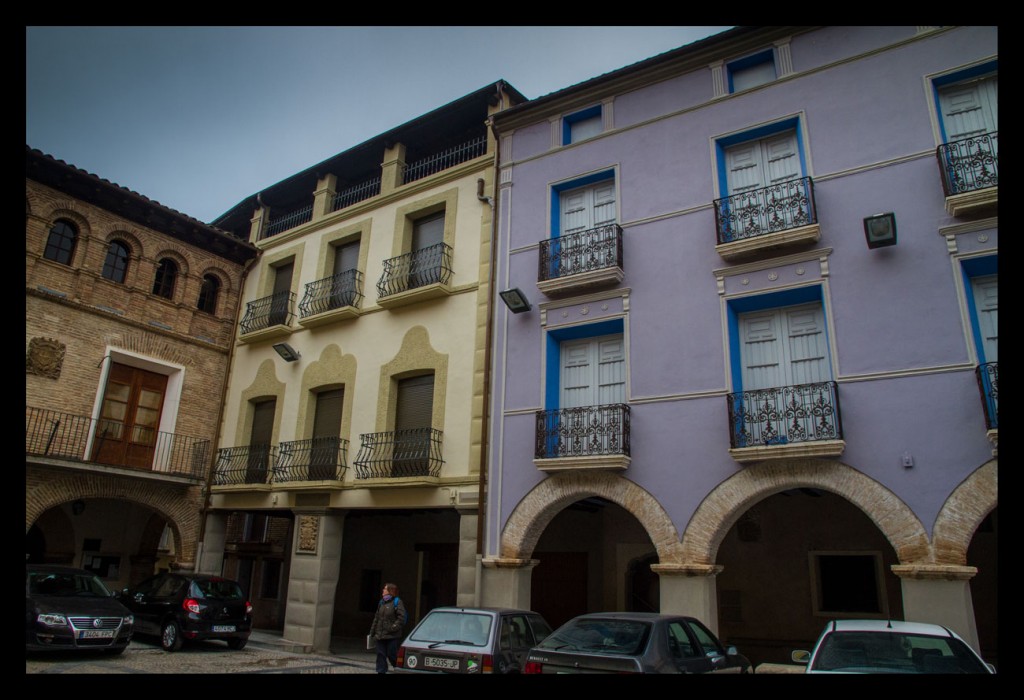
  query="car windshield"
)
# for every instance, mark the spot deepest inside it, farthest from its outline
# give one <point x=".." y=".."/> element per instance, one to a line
<point x="625" y="637"/>
<point x="893" y="652"/>
<point x="66" y="584"/>
<point x="453" y="627"/>
<point x="220" y="588"/>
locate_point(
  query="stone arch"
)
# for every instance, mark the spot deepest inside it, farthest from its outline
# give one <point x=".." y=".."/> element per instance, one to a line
<point x="181" y="513"/>
<point x="64" y="212"/>
<point x="963" y="511"/>
<point x="180" y="258"/>
<point x="222" y="275"/>
<point x="533" y="514"/>
<point x="730" y="499"/>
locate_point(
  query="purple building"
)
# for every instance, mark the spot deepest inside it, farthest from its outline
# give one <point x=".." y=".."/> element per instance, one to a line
<point x="750" y="373"/>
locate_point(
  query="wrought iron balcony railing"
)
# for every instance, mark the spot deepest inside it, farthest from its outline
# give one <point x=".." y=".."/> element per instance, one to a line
<point x="583" y="251"/>
<point x="445" y="159"/>
<point x="431" y="265"/>
<point x="248" y="464"/>
<point x="988" y="383"/>
<point x="586" y="431"/>
<point x="317" y="459"/>
<point x="415" y="452"/>
<point x="784" y="415"/>
<point x="269" y="311"/>
<point x="82" y="439"/>
<point x="969" y="164"/>
<point x="356" y="193"/>
<point x="334" y="292"/>
<point x="282" y="223"/>
<point x="779" y="207"/>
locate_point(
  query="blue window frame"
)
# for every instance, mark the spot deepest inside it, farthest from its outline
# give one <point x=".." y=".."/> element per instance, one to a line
<point x="556" y="196"/>
<point x="945" y="81"/>
<point x="581" y="125"/>
<point x="973" y="268"/>
<point x="751" y="71"/>
<point x="726" y="142"/>
<point x="555" y="338"/>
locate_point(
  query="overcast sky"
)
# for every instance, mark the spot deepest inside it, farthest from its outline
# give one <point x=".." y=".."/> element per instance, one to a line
<point x="198" y="118"/>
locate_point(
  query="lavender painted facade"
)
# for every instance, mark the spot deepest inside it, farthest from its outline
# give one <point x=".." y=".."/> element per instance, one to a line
<point x="849" y="120"/>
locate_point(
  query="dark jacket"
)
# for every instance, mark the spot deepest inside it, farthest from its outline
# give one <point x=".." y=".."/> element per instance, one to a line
<point x="389" y="619"/>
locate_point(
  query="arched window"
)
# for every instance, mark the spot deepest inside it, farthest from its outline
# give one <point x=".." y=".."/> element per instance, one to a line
<point x="60" y="246"/>
<point x="166" y="276"/>
<point x="208" y="292"/>
<point x="115" y="267"/>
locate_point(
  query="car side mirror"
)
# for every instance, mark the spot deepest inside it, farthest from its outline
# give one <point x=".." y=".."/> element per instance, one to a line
<point x="731" y="651"/>
<point x="800" y="656"/>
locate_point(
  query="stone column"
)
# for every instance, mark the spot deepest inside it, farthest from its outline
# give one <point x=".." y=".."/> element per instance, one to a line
<point x="315" y="564"/>
<point x="689" y="589"/>
<point x="211" y="550"/>
<point x="506" y="582"/>
<point x="323" y="197"/>
<point x="257" y="222"/>
<point x="393" y="168"/>
<point x="467" y="583"/>
<point x="940" y="594"/>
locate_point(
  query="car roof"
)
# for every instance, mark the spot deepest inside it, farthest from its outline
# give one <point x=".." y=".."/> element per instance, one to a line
<point x="483" y="609"/>
<point x="56" y="569"/>
<point x="638" y="616"/>
<point x="900" y="626"/>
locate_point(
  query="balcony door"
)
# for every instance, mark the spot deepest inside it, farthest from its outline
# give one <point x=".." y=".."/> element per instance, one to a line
<point x="584" y="212"/>
<point x="343" y="286"/>
<point x="260" y="437"/>
<point x="986" y="304"/>
<point x="970" y="108"/>
<point x="784" y="347"/>
<point x="413" y="420"/>
<point x="593" y="372"/>
<point x="425" y="267"/>
<point x="753" y="166"/>
<point x="324" y="452"/>
<point x="127" y="430"/>
<point x="280" y="302"/>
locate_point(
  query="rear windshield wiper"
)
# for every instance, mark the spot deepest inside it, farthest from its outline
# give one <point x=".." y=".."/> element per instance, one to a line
<point x="463" y="642"/>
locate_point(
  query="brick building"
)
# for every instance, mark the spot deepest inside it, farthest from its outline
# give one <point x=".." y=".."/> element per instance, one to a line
<point x="130" y="311"/>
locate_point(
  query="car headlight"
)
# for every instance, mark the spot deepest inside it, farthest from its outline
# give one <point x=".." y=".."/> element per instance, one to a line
<point x="128" y="620"/>
<point x="52" y="619"/>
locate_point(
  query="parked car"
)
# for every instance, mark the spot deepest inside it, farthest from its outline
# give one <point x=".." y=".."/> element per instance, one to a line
<point x="471" y="640"/>
<point x="890" y="646"/>
<point x="620" y="642"/>
<point x="179" y="607"/>
<point x="68" y="608"/>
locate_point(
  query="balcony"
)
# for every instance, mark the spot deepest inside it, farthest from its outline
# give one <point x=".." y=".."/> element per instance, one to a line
<point x="583" y="438"/>
<point x="417" y="276"/>
<point x="400" y="453"/>
<point x="63" y="436"/>
<point x="988" y="384"/>
<point x="580" y="260"/>
<point x="970" y="173"/>
<point x="317" y="459"/>
<point x="331" y="299"/>
<point x="448" y="158"/>
<point x="269" y="317"/>
<point x="768" y="219"/>
<point x="285" y="222"/>
<point x="785" y="422"/>
<point x="248" y="464"/>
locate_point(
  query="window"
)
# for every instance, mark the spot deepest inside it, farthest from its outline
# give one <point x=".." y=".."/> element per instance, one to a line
<point x="60" y="246"/>
<point x="582" y="125"/>
<point x="427" y="243"/>
<point x="982" y="282"/>
<point x="761" y="175"/>
<point x="413" y="423"/>
<point x="115" y="267"/>
<point x="166" y="276"/>
<point x="126" y="433"/>
<point x="781" y="370"/>
<point x="847" y="583"/>
<point x="344" y="287"/>
<point x="280" y="304"/>
<point x="325" y="449"/>
<point x="209" y="290"/>
<point x="260" y="437"/>
<point x="751" y="71"/>
<point x="968" y="104"/>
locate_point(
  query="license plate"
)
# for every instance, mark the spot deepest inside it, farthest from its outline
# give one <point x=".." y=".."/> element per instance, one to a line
<point x="447" y="664"/>
<point x="96" y="634"/>
<point x="223" y="628"/>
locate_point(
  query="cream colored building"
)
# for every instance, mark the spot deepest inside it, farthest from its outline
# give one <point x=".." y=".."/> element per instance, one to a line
<point x="351" y="443"/>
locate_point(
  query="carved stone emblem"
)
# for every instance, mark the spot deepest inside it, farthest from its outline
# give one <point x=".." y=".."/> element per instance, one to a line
<point x="309" y="526"/>
<point x="45" y="357"/>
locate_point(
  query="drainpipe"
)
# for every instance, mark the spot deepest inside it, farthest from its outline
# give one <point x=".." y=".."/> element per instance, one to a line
<point x="485" y="429"/>
<point x="220" y="411"/>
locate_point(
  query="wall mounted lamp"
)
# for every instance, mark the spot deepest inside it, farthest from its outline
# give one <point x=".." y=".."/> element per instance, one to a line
<point x="515" y="300"/>
<point x="287" y="352"/>
<point x="78" y="507"/>
<point x="880" y="230"/>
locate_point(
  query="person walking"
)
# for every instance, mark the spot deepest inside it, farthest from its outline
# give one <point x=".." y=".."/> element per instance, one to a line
<point x="386" y="630"/>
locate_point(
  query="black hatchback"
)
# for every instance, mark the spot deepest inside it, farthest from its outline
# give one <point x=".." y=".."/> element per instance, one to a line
<point x="180" y="607"/>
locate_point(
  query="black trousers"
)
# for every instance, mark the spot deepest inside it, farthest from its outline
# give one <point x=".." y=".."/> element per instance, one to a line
<point x="387" y="651"/>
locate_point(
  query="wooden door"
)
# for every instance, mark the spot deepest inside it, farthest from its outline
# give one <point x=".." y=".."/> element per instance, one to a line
<point x="129" y="423"/>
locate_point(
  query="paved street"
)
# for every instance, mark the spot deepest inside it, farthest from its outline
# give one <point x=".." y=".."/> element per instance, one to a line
<point x="263" y="655"/>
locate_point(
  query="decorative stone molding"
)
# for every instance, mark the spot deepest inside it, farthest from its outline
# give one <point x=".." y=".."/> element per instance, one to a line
<point x="45" y="357"/>
<point x="935" y="572"/>
<point x="308" y="531"/>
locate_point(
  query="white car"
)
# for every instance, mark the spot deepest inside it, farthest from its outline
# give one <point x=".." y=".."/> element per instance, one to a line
<point x="890" y="646"/>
